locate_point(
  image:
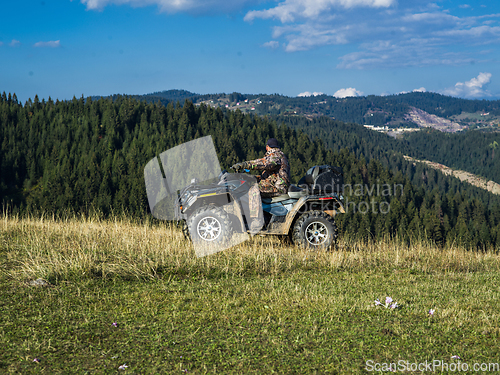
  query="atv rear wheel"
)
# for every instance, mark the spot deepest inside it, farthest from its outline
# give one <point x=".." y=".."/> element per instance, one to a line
<point x="314" y="230"/>
<point x="210" y="225"/>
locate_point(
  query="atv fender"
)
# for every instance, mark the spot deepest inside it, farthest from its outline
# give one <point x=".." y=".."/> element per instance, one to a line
<point x="226" y="200"/>
<point x="295" y="212"/>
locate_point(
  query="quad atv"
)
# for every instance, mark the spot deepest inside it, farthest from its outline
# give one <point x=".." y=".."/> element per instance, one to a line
<point x="185" y="184"/>
<point x="212" y="214"/>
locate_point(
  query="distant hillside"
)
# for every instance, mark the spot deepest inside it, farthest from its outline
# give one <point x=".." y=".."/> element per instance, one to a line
<point x="405" y="110"/>
<point x="470" y="178"/>
<point x="411" y="110"/>
<point x="164" y="97"/>
<point x="472" y="151"/>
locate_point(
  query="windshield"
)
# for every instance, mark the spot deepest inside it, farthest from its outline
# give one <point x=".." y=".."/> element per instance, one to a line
<point x="196" y="162"/>
<point x="196" y="159"/>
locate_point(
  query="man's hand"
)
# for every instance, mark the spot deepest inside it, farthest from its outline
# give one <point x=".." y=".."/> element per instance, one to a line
<point x="239" y="166"/>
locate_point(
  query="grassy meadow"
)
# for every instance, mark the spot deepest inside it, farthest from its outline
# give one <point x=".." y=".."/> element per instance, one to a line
<point x="132" y="297"/>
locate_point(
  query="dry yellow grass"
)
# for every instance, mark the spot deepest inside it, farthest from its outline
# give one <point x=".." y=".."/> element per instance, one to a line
<point x="86" y="247"/>
<point x="267" y="306"/>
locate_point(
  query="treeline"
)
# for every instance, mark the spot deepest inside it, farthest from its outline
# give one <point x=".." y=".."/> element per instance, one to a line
<point x="174" y="96"/>
<point x="473" y="151"/>
<point x="372" y="109"/>
<point x="83" y="155"/>
<point x="445" y="106"/>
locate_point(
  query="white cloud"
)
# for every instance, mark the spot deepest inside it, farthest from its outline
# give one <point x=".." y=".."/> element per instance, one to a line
<point x="479" y="32"/>
<point x="305" y="37"/>
<point x="308" y="93"/>
<point x="273" y="44"/>
<point x="344" y="93"/>
<point x="430" y="17"/>
<point x="290" y="10"/>
<point x="173" y="6"/>
<point x="475" y="88"/>
<point x="292" y="7"/>
<point x="421" y="40"/>
<point x="422" y="89"/>
<point x="14" y="43"/>
<point x="413" y="33"/>
<point x="381" y="33"/>
<point x="50" y="44"/>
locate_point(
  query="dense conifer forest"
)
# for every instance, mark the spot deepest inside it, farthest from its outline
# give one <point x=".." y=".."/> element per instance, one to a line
<point x="87" y="155"/>
<point x="473" y="151"/>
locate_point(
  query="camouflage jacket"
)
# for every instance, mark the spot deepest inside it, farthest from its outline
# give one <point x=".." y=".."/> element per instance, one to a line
<point x="276" y="169"/>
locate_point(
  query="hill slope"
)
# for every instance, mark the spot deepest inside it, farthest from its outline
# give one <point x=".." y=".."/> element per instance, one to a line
<point x="392" y="111"/>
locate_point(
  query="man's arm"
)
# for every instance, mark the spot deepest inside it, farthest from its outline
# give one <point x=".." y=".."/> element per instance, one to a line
<point x="268" y="163"/>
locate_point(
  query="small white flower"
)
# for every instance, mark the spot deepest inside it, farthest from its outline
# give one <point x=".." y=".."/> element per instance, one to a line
<point x="122" y="367"/>
<point x="431" y="312"/>
<point x="455" y="357"/>
<point x="389" y="303"/>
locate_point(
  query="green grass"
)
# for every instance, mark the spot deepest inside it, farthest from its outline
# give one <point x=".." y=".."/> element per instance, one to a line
<point x="260" y="307"/>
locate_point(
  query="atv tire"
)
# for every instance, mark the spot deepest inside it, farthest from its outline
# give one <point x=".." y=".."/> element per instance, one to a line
<point x="209" y="225"/>
<point x="314" y="230"/>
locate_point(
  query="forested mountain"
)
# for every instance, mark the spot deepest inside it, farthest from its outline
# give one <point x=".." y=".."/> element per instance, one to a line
<point x="476" y="152"/>
<point x="163" y="97"/>
<point x="375" y="110"/>
<point x="472" y="151"/>
<point x="83" y="155"/>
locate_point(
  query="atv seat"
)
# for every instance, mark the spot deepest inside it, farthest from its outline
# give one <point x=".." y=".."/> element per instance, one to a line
<point x="294" y="192"/>
<point x="279" y="198"/>
<point x="312" y="176"/>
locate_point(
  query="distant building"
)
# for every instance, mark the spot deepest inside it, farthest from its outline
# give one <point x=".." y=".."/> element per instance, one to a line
<point x="377" y="128"/>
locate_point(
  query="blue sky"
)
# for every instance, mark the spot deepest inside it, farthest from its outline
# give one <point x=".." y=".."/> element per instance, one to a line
<point x="69" y="48"/>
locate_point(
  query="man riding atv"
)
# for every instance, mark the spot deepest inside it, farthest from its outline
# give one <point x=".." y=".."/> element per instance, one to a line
<point x="213" y="205"/>
<point x="274" y="180"/>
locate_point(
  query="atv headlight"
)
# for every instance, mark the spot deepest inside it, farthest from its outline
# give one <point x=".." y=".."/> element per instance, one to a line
<point x="190" y="201"/>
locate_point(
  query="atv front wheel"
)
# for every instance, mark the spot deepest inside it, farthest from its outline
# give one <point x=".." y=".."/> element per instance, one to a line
<point x="315" y="230"/>
<point x="210" y="225"/>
